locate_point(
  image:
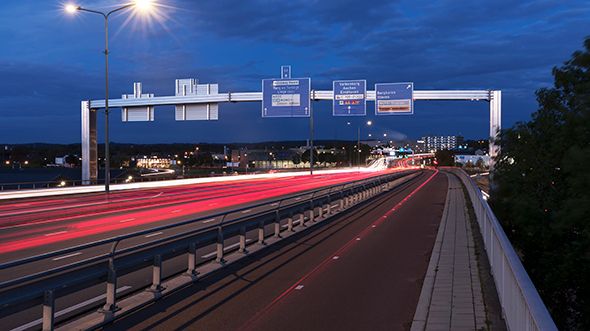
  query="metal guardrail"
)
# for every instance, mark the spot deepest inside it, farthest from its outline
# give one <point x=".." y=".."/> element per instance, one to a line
<point x="522" y="307"/>
<point x="43" y="288"/>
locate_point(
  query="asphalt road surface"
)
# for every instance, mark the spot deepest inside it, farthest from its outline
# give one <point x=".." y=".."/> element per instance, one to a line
<point x="361" y="270"/>
<point x="43" y="224"/>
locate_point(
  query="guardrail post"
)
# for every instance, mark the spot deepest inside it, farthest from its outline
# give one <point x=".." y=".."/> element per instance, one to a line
<point x="48" y="310"/>
<point x="192" y="260"/>
<point x="156" y="287"/>
<point x="243" y="240"/>
<point x="290" y="223"/>
<point x="219" y="258"/>
<point x="261" y="232"/>
<point x="302" y="219"/>
<point x="110" y="305"/>
<point x="277" y="224"/>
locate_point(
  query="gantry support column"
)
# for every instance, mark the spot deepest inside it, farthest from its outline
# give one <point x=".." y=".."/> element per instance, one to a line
<point x="89" y="146"/>
<point x="495" y="123"/>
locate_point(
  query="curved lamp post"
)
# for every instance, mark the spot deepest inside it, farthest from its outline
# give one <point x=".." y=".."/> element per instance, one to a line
<point x="142" y="6"/>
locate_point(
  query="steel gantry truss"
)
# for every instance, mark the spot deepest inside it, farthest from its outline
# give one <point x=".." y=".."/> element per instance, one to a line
<point x="89" y="110"/>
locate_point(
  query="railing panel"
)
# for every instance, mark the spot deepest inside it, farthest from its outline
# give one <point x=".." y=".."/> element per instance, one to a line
<point x="522" y="306"/>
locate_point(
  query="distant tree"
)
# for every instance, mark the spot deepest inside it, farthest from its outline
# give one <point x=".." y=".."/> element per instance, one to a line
<point x="72" y="159"/>
<point x="322" y="157"/>
<point x="445" y="157"/>
<point x="296" y="158"/>
<point x="541" y="193"/>
<point x="204" y="159"/>
<point x="479" y="163"/>
<point x="331" y="158"/>
<point x="305" y="156"/>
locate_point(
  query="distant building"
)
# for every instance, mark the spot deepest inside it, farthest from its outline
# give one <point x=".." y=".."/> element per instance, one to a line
<point x="66" y="161"/>
<point x="473" y="160"/>
<point x="153" y="162"/>
<point x="437" y="143"/>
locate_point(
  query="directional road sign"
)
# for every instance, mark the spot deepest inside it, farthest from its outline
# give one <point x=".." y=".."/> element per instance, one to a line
<point x="394" y="99"/>
<point x="286" y="97"/>
<point x="349" y="98"/>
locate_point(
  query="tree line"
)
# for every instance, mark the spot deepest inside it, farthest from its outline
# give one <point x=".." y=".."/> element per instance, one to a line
<point x="542" y="192"/>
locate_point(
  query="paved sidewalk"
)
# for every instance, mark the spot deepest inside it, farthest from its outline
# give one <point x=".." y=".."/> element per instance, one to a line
<point x="451" y="297"/>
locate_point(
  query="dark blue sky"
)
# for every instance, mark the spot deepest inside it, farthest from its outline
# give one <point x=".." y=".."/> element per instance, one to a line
<point x="49" y="61"/>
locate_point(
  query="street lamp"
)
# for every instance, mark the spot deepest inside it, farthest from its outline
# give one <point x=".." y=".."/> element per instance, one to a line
<point x="358" y="139"/>
<point x="143" y="7"/>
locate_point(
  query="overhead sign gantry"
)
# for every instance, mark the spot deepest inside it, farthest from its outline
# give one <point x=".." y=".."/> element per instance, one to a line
<point x="290" y="98"/>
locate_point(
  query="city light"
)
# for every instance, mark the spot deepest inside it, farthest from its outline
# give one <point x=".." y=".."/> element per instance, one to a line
<point x="144" y="5"/>
<point x="71" y="8"/>
<point x="369" y="122"/>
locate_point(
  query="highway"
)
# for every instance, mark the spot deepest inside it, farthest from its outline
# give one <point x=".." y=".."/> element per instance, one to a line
<point x="32" y="226"/>
<point x="37" y="223"/>
<point x="361" y="270"/>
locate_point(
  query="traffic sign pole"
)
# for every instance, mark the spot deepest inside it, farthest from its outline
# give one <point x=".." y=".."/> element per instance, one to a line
<point x="311" y="132"/>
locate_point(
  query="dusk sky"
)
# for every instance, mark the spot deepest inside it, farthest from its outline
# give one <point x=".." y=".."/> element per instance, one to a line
<point x="50" y="61"/>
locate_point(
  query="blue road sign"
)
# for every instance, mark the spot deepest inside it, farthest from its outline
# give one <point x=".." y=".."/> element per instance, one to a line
<point x="394" y="99"/>
<point x="285" y="72"/>
<point x="286" y="97"/>
<point x="349" y="98"/>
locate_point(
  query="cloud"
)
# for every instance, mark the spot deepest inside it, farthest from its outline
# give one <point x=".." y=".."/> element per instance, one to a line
<point x="51" y="61"/>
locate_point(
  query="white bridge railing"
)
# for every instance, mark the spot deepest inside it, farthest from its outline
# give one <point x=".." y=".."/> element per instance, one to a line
<point x="522" y="307"/>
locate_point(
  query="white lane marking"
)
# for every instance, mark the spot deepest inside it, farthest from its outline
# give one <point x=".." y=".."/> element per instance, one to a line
<point x="176" y="211"/>
<point x="54" y="233"/>
<point x="76" y="206"/>
<point x="127" y="220"/>
<point x="334" y="206"/>
<point x="298" y="287"/>
<point x="154" y="234"/>
<point x="358" y="239"/>
<point x="274" y="204"/>
<point x="246" y="211"/>
<point x="69" y="309"/>
<point x="374" y="226"/>
<point x="66" y="256"/>
<point x="335" y="257"/>
<point x="209" y="220"/>
<point x="298" y="198"/>
<point x="206" y="256"/>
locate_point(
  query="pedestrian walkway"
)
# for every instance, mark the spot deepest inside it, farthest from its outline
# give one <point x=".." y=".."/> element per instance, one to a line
<point x="451" y="297"/>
